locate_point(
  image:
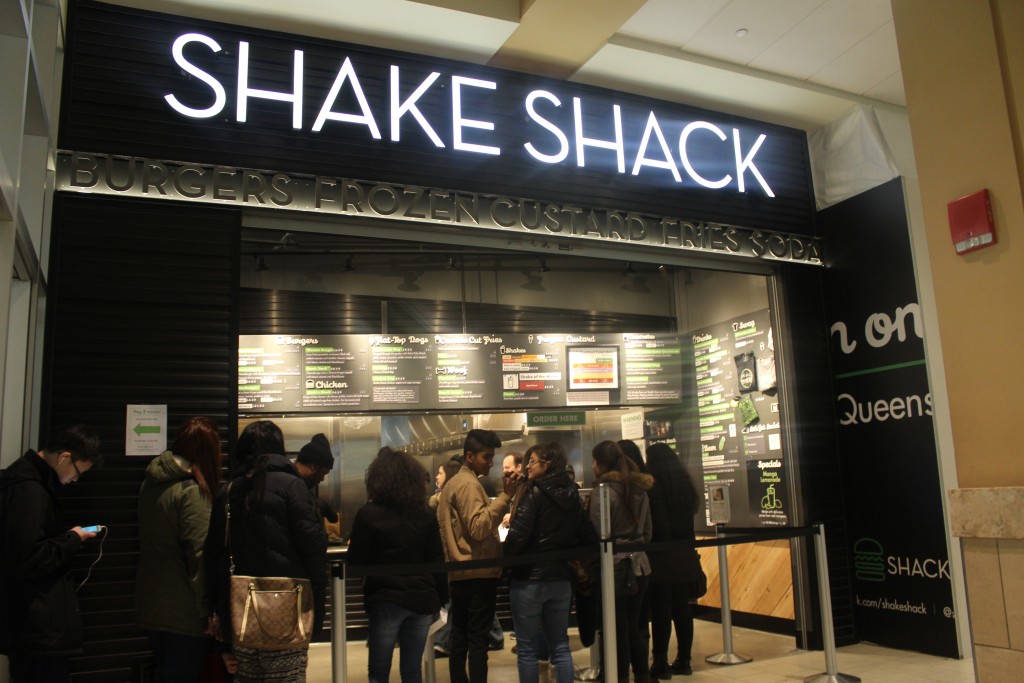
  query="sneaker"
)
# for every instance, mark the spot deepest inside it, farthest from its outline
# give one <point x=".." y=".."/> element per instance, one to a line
<point x="661" y="671"/>
<point x="681" y="667"/>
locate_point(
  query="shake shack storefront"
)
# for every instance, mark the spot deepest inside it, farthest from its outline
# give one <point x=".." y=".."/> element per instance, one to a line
<point x="392" y="249"/>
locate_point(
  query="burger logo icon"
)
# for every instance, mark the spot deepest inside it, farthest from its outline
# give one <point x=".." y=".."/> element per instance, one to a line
<point x="868" y="563"/>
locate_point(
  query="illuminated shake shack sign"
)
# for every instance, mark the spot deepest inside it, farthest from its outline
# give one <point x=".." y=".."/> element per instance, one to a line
<point x="153" y="86"/>
<point x="667" y="149"/>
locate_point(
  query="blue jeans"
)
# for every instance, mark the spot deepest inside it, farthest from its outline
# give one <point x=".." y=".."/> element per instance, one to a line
<point x="391" y="625"/>
<point x="540" y="611"/>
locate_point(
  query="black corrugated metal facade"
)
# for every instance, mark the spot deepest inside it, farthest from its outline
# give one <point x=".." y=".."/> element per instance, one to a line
<point x="140" y="310"/>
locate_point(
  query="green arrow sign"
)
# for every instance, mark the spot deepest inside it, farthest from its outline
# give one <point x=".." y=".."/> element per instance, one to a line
<point x="146" y="429"/>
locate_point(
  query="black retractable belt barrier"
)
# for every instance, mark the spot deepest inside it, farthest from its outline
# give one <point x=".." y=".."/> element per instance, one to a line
<point x="725" y="536"/>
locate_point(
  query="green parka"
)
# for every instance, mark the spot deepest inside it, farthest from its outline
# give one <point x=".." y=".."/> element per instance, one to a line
<point x="170" y="591"/>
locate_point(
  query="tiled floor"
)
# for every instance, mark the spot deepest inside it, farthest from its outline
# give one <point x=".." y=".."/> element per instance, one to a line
<point x="774" y="660"/>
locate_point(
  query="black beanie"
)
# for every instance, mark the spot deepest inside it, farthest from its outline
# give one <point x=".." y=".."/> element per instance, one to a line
<point x="317" y="452"/>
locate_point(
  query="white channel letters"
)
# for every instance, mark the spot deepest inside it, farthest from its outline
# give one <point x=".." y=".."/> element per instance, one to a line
<point x="655" y="152"/>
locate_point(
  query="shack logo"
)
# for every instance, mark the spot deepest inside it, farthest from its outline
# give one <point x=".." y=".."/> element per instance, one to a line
<point x="453" y="111"/>
<point x="871" y="564"/>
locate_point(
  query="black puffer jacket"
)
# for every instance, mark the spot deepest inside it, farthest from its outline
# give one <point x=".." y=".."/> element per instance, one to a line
<point x="38" y="606"/>
<point x="382" y="535"/>
<point x="278" y="533"/>
<point x="550" y="516"/>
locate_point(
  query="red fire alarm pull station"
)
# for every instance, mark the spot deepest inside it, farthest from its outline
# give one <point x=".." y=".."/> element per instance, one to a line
<point x="970" y="222"/>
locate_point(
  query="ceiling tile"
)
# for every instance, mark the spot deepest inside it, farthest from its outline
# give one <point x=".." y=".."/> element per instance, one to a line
<point x="865" y="65"/>
<point x="825" y="34"/>
<point x="765" y="22"/>
<point x="890" y="90"/>
<point x="672" y="22"/>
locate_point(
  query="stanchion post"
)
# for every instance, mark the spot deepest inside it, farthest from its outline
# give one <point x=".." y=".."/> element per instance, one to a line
<point x="611" y="661"/>
<point x="339" y="654"/>
<point x="828" y="633"/>
<point x="727" y="656"/>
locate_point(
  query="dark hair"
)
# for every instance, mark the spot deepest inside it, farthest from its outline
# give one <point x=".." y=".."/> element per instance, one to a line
<point x="259" y="438"/>
<point x="317" y="453"/>
<point x="610" y="458"/>
<point x="672" y="478"/>
<point x="79" y="440"/>
<point x="394" y="479"/>
<point x="198" y="441"/>
<point x="480" y="439"/>
<point x="257" y="441"/>
<point x="554" y="454"/>
<point x="451" y="468"/>
<point x="517" y="458"/>
<point x="632" y="451"/>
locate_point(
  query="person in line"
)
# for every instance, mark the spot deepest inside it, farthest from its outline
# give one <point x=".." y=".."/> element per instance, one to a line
<point x="632" y="451"/>
<point x="171" y="602"/>
<point x="445" y="472"/>
<point x="630" y="516"/>
<point x="276" y="530"/>
<point x="550" y="516"/>
<point x="469" y="531"/>
<point x="674" y="572"/>
<point x="40" y="624"/>
<point x="314" y="462"/>
<point x="397" y="527"/>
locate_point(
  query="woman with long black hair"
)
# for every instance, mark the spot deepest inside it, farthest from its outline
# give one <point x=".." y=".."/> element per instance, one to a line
<point x="276" y="530"/>
<point x="630" y="516"/>
<point x="674" y="572"/>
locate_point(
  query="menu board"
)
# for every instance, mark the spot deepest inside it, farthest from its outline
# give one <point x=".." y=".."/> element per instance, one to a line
<point x="738" y="411"/>
<point x="326" y="373"/>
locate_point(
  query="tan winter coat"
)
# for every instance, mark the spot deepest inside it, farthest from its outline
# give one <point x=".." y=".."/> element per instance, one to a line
<point x="469" y="523"/>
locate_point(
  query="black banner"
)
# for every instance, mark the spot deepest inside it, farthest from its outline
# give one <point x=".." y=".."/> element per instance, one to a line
<point x="902" y="583"/>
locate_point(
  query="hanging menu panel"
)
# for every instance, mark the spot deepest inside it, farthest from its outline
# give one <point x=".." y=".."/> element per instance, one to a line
<point x="319" y="373"/>
<point x="734" y="370"/>
<point x="468" y="371"/>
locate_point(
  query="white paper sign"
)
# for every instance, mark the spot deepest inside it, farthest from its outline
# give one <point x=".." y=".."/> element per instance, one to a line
<point x="633" y="426"/>
<point x="145" y="429"/>
<point x="719" y="511"/>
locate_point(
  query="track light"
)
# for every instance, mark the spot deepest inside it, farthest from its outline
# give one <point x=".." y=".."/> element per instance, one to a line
<point x="450" y="265"/>
<point x="629" y="269"/>
<point x="261" y="264"/>
<point x="348" y="265"/>
<point x="542" y="265"/>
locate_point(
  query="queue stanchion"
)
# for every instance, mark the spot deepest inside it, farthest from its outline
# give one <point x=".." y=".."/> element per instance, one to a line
<point x="608" y="638"/>
<point x="339" y="654"/>
<point x="828" y="633"/>
<point x="727" y="656"/>
<point x="429" y="661"/>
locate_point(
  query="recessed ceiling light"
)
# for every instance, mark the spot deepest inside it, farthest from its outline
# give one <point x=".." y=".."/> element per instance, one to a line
<point x="741" y="32"/>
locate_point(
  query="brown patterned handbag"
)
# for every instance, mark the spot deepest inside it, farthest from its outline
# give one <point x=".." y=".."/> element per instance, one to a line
<point x="268" y="613"/>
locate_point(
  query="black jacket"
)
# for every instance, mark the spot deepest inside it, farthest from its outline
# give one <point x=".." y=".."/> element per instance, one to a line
<point x="38" y="605"/>
<point x="672" y="521"/>
<point x="550" y="516"/>
<point x="382" y="535"/>
<point x="278" y="533"/>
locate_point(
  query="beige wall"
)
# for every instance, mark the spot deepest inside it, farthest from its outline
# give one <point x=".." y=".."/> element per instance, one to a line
<point x="963" y="71"/>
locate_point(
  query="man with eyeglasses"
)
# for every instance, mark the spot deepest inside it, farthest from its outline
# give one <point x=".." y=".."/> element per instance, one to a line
<point x="40" y="624"/>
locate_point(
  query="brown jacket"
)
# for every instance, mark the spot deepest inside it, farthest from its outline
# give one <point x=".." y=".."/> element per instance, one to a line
<point x="469" y="524"/>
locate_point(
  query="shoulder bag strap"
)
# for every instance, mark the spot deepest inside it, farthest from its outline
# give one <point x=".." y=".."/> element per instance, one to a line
<point x="227" y="529"/>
